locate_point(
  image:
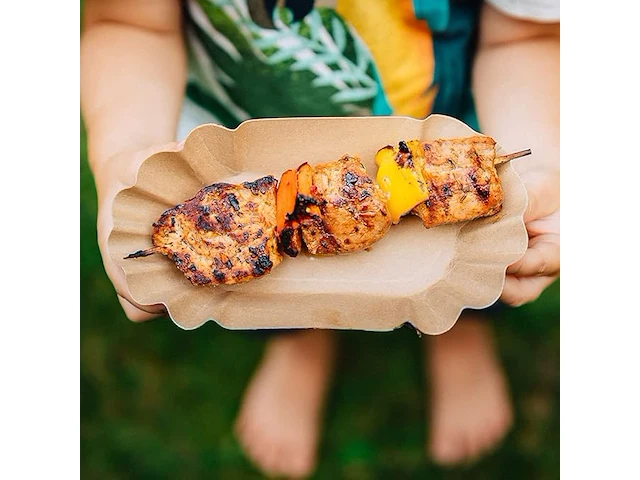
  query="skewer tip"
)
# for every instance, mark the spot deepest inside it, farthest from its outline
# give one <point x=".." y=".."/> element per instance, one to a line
<point x="141" y="253"/>
<point x="511" y="156"/>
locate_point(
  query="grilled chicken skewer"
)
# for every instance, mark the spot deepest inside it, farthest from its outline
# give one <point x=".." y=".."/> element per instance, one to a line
<point x="229" y="234"/>
<point x="444" y="181"/>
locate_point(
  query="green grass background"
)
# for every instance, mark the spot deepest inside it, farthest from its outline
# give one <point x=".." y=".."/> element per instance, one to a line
<point x="159" y="402"/>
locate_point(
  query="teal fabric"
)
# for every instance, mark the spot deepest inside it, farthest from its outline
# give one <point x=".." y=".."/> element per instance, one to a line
<point x="380" y="104"/>
<point x="435" y="12"/>
<point x="454" y="48"/>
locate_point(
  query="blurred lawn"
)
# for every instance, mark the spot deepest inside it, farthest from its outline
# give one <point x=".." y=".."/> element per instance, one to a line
<point x="159" y="402"/>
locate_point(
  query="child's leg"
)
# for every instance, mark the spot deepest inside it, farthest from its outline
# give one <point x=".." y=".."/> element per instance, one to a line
<point x="470" y="405"/>
<point x="279" y="421"/>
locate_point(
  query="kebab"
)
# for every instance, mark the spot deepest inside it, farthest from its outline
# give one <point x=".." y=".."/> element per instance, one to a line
<point x="234" y="233"/>
<point x="334" y="208"/>
<point x="225" y="234"/>
<point x="443" y="181"/>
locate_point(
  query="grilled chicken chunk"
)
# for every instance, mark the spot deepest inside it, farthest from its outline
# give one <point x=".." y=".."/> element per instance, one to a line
<point x="443" y="181"/>
<point x="225" y="234"/>
<point x="345" y="210"/>
<point x="462" y="180"/>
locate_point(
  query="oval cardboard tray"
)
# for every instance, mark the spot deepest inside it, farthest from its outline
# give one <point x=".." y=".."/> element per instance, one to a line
<point x="416" y="275"/>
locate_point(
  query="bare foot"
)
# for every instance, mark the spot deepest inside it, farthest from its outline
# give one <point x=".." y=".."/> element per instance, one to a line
<point x="470" y="409"/>
<point x="279" y="421"/>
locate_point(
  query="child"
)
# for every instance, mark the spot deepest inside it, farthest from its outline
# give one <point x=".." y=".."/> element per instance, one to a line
<point x="151" y="71"/>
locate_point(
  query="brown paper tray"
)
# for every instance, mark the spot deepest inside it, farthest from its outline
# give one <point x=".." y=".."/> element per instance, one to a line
<point x="417" y="275"/>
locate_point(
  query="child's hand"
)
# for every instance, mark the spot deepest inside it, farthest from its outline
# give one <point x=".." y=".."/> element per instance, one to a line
<point x="540" y="265"/>
<point x="130" y="100"/>
<point x="522" y="109"/>
<point x="117" y="173"/>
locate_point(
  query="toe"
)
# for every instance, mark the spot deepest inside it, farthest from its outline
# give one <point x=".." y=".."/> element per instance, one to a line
<point x="474" y="445"/>
<point x="295" y="458"/>
<point x="255" y="447"/>
<point x="289" y="460"/>
<point x="266" y="458"/>
<point x="447" y="448"/>
<point x="302" y="464"/>
<point x="485" y="441"/>
<point x="495" y="433"/>
<point x="502" y="424"/>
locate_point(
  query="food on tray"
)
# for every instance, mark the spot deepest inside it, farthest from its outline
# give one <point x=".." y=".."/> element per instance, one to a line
<point x="338" y="208"/>
<point x="229" y="234"/>
<point x="442" y="181"/>
<point x="288" y="228"/>
<point x="225" y="234"/>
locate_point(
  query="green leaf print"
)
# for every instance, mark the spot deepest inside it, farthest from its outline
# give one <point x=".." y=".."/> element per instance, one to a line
<point x="339" y="34"/>
<point x="315" y="67"/>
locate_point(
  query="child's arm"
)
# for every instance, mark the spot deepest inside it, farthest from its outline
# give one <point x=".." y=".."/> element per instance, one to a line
<point x="133" y="74"/>
<point x="517" y="92"/>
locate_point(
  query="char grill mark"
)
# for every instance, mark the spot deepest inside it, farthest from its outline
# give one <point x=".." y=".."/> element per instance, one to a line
<point x="352" y="209"/>
<point x="463" y="181"/>
<point x="225" y="234"/>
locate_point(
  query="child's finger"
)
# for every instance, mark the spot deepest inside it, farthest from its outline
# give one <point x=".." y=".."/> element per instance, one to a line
<point x="542" y="258"/>
<point x="548" y="224"/>
<point x="518" y="291"/>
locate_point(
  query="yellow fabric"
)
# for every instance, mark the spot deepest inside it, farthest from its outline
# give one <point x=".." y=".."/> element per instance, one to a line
<point x="402" y="49"/>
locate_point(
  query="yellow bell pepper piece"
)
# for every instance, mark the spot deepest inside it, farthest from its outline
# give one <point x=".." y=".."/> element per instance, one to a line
<point x="403" y="185"/>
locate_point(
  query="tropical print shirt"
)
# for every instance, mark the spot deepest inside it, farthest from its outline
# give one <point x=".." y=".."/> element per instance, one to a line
<point x="270" y="58"/>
